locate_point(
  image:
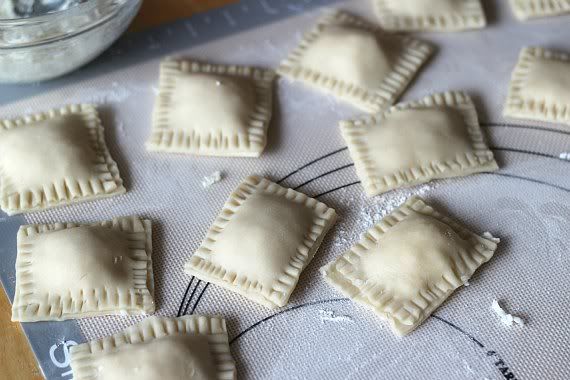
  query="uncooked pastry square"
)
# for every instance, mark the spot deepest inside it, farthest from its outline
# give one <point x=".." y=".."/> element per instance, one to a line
<point x="68" y="270"/>
<point x="529" y="9"/>
<point x="434" y="15"/>
<point x="189" y="347"/>
<point x="212" y="110"/>
<point x="55" y="158"/>
<point x="407" y="265"/>
<point x="356" y="61"/>
<point x="412" y="143"/>
<point x="540" y="86"/>
<point x="263" y="238"/>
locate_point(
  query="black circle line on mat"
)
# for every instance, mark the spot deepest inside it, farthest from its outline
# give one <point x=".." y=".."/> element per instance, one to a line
<point x="487" y="173"/>
<point x="521" y="126"/>
<point x="199" y="298"/>
<point x="483" y="124"/>
<point x="528" y="179"/>
<point x="530" y="152"/>
<point x="539" y="154"/>
<point x="505" y="175"/>
<point x="312" y="162"/>
<point x="354" y="183"/>
<point x="323" y="175"/>
<point x="504" y="370"/>
<point x="184" y="298"/>
<point x="357" y="182"/>
<point x="191" y="296"/>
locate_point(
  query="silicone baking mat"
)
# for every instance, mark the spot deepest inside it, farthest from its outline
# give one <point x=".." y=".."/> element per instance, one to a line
<point x="320" y="334"/>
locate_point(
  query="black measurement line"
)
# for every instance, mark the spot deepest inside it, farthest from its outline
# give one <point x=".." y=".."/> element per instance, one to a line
<point x="184" y="298"/>
<point x="199" y="298"/>
<point x="312" y="162"/>
<point x="336" y="188"/>
<point x="520" y="126"/>
<point x="323" y="175"/>
<point x="320" y="302"/>
<point x="335" y="300"/>
<point x="528" y="179"/>
<point x="191" y="296"/>
<point x="505" y="175"/>
<point x="546" y="155"/>
<point x="475" y="340"/>
<point x="357" y="182"/>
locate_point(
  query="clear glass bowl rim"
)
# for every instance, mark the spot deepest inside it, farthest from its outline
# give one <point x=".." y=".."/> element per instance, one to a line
<point x="113" y="7"/>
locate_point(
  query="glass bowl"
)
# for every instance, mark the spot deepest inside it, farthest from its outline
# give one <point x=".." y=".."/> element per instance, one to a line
<point x="43" y="47"/>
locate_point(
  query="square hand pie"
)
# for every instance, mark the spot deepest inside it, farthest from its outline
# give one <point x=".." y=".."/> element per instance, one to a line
<point x="261" y="241"/>
<point x="540" y="86"/>
<point x="408" y="264"/>
<point x="412" y="143"/>
<point x="529" y="9"/>
<point x="434" y="15"/>
<point x="189" y="347"/>
<point x="356" y="61"/>
<point x="55" y="158"/>
<point x="211" y="110"/>
<point x="66" y="271"/>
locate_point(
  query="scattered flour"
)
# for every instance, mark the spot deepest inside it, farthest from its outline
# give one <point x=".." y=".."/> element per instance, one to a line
<point x="506" y="318"/>
<point x="565" y="156"/>
<point x="386" y="203"/>
<point x="330" y="316"/>
<point x="372" y="210"/>
<point x="211" y="179"/>
<point x="117" y="95"/>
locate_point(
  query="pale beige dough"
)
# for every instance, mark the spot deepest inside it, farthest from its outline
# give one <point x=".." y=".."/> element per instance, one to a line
<point x="416" y="142"/>
<point x="408" y="264"/>
<point x="432" y="15"/>
<point x="189" y="347"/>
<point x="356" y="61"/>
<point x="540" y="86"/>
<point x="69" y="270"/>
<point x="369" y="68"/>
<point x="261" y="241"/>
<point x="530" y="9"/>
<point x="55" y="158"/>
<point x="212" y="110"/>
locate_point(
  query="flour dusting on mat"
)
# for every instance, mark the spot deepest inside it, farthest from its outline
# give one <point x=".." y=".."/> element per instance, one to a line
<point x="386" y="203"/>
<point x="209" y="180"/>
<point x="117" y="94"/>
<point x="328" y="315"/>
<point x="372" y="210"/>
<point x="506" y="318"/>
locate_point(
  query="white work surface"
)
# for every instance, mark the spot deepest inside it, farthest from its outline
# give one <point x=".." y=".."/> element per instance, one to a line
<point x="320" y="334"/>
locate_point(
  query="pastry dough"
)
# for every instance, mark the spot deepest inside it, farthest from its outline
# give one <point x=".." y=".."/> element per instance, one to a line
<point x="412" y="143"/>
<point x="356" y="61"/>
<point x="71" y="270"/>
<point x="408" y="264"/>
<point x="212" y="110"/>
<point x="434" y="15"/>
<point x="190" y="347"/>
<point x="261" y="241"/>
<point x="55" y="158"/>
<point x="540" y="86"/>
<point x="529" y="9"/>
